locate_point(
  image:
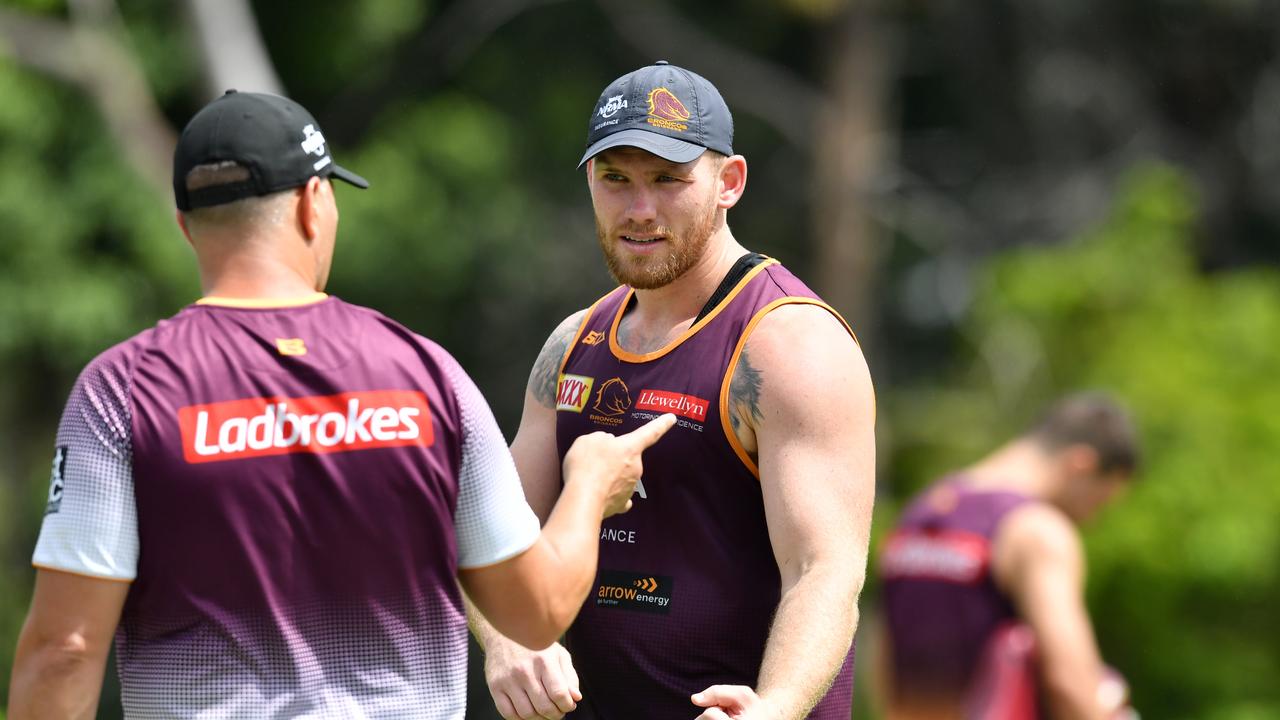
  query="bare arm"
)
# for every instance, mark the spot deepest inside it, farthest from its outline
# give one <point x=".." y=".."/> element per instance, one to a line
<point x="534" y="447"/>
<point x="1038" y="560"/>
<point x="62" y="650"/>
<point x="527" y="684"/>
<point x="802" y="398"/>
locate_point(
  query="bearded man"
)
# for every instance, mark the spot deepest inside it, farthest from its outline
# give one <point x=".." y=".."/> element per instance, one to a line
<point x="731" y="587"/>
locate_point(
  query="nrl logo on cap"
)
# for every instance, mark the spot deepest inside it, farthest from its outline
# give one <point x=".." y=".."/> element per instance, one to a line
<point x="611" y="108"/>
<point x="313" y="144"/>
<point x="666" y="110"/>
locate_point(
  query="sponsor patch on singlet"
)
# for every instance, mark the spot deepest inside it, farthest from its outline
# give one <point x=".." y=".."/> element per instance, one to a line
<point x="255" y="427"/>
<point x="690" y="406"/>
<point x="634" y="591"/>
<point x="947" y="555"/>
<point x="572" y="392"/>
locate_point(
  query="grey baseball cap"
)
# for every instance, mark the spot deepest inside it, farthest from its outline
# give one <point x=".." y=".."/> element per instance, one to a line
<point x="664" y="109"/>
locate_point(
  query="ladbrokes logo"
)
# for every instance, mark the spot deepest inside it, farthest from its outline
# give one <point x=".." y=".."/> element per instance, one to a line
<point x="694" y="408"/>
<point x="572" y="392"/>
<point x="666" y="111"/>
<point x="612" y="400"/>
<point x="634" y="591"/>
<point x="257" y="427"/>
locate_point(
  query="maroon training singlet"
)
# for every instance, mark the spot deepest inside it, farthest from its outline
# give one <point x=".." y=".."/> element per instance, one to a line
<point x="941" y="602"/>
<point x="687" y="583"/>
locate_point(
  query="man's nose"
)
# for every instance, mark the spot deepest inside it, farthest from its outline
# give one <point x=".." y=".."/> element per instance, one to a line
<point x="643" y="207"/>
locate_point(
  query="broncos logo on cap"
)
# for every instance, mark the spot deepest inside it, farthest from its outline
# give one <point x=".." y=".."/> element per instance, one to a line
<point x="666" y="110"/>
<point x="613" y="398"/>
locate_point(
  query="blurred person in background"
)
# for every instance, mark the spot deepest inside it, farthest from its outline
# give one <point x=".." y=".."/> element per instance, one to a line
<point x="731" y="589"/>
<point x="269" y="499"/>
<point x="983" y="578"/>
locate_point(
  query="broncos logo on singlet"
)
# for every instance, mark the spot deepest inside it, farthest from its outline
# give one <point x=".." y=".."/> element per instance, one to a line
<point x="613" y="398"/>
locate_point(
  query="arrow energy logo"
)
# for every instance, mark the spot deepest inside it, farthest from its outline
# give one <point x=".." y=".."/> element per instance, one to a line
<point x="634" y="591"/>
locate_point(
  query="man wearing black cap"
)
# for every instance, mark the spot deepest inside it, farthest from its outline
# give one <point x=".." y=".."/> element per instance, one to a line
<point x="730" y="589"/>
<point x="270" y="498"/>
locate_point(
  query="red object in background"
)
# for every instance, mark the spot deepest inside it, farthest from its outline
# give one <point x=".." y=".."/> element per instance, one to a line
<point x="1005" y="685"/>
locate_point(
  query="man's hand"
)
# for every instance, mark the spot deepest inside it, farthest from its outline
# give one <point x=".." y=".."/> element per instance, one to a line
<point x="614" y="459"/>
<point x="732" y="702"/>
<point x="529" y="685"/>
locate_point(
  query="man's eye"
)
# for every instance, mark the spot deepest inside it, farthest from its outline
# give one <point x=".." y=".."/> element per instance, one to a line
<point x="614" y="177"/>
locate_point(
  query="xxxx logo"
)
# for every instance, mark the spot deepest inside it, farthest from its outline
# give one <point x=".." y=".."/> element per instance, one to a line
<point x="572" y="392"/>
<point x="646" y="584"/>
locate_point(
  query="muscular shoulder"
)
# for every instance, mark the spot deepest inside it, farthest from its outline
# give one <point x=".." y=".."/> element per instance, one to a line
<point x="1033" y="537"/>
<point x="804" y="333"/>
<point x="799" y="364"/>
<point x="546" y="369"/>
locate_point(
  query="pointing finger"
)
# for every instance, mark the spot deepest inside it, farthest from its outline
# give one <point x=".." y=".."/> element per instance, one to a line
<point x="648" y="434"/>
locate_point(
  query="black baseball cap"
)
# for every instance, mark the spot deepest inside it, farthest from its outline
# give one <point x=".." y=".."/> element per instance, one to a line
<point x="272" y="137"/>
<point x="667" y="110"/>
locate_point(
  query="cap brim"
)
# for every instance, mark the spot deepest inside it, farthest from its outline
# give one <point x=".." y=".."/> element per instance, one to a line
<point x="667" y="148"/>
<point x="347" y="176"/>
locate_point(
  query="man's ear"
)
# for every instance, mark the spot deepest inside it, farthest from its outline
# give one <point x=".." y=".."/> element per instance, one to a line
<point x="1080" y="459"/>
<point x="309" y="208"/>
<point x="732" y="181"/>
<point x="182" y="223"/>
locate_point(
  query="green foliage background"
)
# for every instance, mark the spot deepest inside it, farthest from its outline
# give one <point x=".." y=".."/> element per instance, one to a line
<point x="478" y="232"/>
<point x="1183" y="569"/>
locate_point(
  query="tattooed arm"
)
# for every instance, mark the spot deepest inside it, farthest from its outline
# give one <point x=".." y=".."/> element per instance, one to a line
<point x="534" y="447"/>
<point x="744" y="402"/>
<point x="526" y="684"/>
<point x="801" y="403"/>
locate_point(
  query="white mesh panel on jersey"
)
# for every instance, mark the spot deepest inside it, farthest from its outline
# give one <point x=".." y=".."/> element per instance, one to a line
<point x="493" y="521"/>
<point x="91" y="523"/>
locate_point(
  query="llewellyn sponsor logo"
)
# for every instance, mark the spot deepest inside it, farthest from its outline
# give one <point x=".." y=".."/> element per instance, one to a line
<point x="634" y="591"/>
<point x="256" y="427"/>
<point x="694" y="408"/>
<point x="572" y="392"/>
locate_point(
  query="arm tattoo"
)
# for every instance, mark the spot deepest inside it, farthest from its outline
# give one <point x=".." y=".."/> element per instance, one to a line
<point x="744" y="392"/>
<point x="546" y="369"/>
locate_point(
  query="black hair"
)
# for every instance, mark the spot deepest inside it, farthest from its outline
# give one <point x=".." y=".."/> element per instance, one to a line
<point x="1097" y="421"/>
